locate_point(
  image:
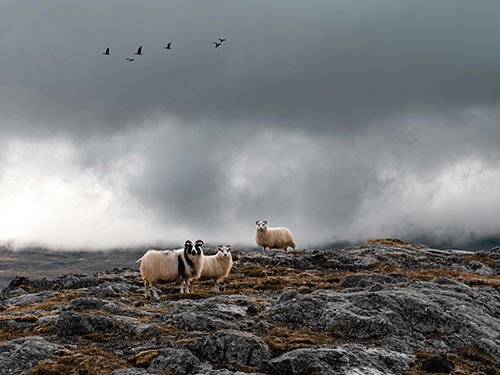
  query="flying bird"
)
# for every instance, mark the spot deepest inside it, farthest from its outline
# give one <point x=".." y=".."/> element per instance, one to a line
<point x="129" y="59"/>
<point x="107" y="52"/>
<point x="168" y="46"/>
<point x="139" y="51"/>
<point x="217" y="44"/>
<point x="222" y="40"/>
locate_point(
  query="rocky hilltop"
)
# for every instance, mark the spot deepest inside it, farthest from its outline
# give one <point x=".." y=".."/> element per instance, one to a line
<point x="385" y="307"/>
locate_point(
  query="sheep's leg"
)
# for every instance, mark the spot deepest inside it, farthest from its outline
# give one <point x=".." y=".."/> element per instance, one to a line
<point x="191" y="281"/>
<point x="155" y="293"/>
<point x="182" y="286"/>
<point x="146" y="296"/>
<point x="285" y="249"/>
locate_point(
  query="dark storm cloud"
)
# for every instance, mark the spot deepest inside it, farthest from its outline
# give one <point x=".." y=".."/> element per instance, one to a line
<point x="329" y="64"/>
<point x="321" y="115"/>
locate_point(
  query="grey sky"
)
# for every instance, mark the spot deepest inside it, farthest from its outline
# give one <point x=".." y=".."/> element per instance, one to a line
<point x="340" y="119"/>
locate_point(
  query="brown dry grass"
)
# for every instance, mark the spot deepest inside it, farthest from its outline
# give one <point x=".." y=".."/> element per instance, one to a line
<point x="468" y="361"/>
<point x="281" y="339"/>
<point x="88" y="361"/>
<point x="11" y="333"/>
<point x="470" y="278"/>
<point x="392" y="242"/>
<point x="61" y="298"/>
<point x="485" y="260"/>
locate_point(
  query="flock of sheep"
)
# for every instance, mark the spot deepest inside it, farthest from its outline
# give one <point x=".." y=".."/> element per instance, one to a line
<point x="189" y="264"/>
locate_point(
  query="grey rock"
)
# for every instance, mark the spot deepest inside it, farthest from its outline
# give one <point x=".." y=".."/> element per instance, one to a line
<point x="438" y="315"/>
<point x="206" y="368"/>
<point x="86" y="303"/>
<point x="73" y="281"/>
<point x="112" y="289"/>
<point x="147" y="330"/>
<point x="46" y="319"/>
<point x="347" y="359"/>
<point x="20" y="355"/>
<point x="24" y="326"/>
<point x="30" y="298"/>
<point x="197" y="322"/>
<point x="230" y="345"/>
<point x="252" y="309"/>
<point x="71" y="323"/>
<point x="130" y="371"/>
<point x="366" y="280"/>
<point x="173" y="361"/>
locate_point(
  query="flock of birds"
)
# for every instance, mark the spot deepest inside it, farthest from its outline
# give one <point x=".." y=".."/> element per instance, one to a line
<point x="217" y="44"/>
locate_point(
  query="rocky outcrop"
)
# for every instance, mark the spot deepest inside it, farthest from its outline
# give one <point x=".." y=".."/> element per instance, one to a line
<point x="373" y="309"/>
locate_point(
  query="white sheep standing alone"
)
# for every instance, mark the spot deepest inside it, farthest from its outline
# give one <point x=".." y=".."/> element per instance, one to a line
<point x="273" y="238"/>
<point x="217" y="267"/>
<point x="163" y="266"/>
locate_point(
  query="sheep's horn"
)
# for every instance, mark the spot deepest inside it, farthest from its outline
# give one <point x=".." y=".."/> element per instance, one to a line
<point x="200" y="241"/>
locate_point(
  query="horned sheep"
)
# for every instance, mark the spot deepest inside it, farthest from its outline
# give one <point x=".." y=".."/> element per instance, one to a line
<point x="163" y="266"/>
<point x="273" y="238"/>
<point x="217" y="267"/>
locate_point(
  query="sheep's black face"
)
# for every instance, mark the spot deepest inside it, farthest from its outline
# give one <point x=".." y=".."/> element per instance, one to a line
<point x="261" y="225"/>
<point x="197" y="247"/>
<point x="188" y="247"/>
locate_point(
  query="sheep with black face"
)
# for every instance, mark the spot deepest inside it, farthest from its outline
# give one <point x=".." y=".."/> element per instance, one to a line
<point x="164" y="266"/>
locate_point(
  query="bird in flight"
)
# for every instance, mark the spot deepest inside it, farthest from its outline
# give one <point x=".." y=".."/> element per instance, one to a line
<point x="107" y="52"/>
<point x="139" y="51"/>
<point x="168" y="46"/>
<point x="217" y="44"/>
<point x="222" y="40"/>
<point x="129" y="59"/>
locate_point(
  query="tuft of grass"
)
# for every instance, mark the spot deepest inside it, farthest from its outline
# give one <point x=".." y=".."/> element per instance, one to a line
<point x="392" y="242"/>
<point x="485" y="260"/>
<point x="281" y="339"/>
<point x="469" y="278"/>
<point x="468" y="361"/>
<point x="144" y="358"/>
<point x="242" y="367"/>
<point x="11" y="333"/>
<point x="89" y="361"/>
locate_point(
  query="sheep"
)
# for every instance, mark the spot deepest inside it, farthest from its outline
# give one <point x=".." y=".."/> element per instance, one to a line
<point x="161" y="266"/>
<point x="216" y="267"/>
<point x="273" y="238"/>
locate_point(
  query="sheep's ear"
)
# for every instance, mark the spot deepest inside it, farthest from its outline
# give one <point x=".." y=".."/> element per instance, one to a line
<point x="265" y="222"/>
<point x="257" y="222"/>
<point x="200" y="242"/>
<point x="229" y="248"/>
<point x="219" y="247"/>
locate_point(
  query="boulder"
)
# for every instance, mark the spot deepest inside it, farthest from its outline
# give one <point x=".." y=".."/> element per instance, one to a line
<point x="20" y="355"/>
<point x="227" y="346"/>
<point x="344" y="359"/>
<point x="173" y="361"/>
